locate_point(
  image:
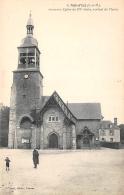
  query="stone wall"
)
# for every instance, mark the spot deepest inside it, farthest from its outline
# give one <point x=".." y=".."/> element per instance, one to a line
<point x="59" y="127"/>
<point x="26" y="94"/>
<point x="12" y="118"/>
<point x="23" y="134"/>
<point x="28" y="91"/>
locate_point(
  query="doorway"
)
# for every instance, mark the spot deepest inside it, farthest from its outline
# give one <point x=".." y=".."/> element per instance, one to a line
<point x="85" y="139"/>
<point x="53" y="141"/>
<point x="86" y="142"/>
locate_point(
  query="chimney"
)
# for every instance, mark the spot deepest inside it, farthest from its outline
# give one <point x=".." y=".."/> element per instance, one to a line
<point x="115" y="121"/>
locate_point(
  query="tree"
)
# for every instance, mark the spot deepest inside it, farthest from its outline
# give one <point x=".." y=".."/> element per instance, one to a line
<point x="4" y="125"/>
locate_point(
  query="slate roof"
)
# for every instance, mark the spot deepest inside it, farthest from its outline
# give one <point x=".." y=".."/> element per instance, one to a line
<point x="55" y="98"/>
<point x="105" y="124"/>
<point x="29" y="41"/>
<point x="86" y="110"/>
<point x="82" y="110"/>
<point x="45" y="99"/>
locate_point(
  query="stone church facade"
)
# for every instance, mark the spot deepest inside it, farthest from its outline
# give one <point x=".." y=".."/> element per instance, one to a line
<point x="38" y="121"/>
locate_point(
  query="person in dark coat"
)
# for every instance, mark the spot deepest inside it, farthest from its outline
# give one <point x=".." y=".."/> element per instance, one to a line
<point x="35" y="158"/>
<point x="7" y="163"/>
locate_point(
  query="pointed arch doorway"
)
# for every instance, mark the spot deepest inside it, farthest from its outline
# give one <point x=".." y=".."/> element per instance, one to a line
<point x="85" y="138"/>
<point x="53" y="141"/>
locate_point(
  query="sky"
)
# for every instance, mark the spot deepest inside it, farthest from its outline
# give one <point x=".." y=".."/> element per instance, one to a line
<point x="81" y="44"/>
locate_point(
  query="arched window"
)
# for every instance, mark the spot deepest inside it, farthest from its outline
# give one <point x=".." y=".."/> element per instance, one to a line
<point x="25" y="123"/>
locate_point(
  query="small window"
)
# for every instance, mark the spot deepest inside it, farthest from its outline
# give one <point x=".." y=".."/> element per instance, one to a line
<point x="53" y="119"/>
<point x="111" y="139"/>
<point x="24" y="96"/>
<point x="50" y="118"/>
<point x="110" y="125"/>
<point x="103" y="139"/>
<point x="111" y="132"/>
<point x="103" y="132"/>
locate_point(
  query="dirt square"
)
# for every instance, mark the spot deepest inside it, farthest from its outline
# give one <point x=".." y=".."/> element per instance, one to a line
<point x="80" y="172"/>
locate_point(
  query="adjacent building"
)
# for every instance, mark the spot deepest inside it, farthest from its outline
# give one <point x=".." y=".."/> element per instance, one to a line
<point x="109" y="134"/>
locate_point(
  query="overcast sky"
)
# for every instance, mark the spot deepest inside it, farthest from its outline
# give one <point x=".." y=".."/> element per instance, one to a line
<point x="82" y="52"/>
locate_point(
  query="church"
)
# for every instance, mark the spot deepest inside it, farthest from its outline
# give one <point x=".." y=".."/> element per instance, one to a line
<point x="46" y="122"/>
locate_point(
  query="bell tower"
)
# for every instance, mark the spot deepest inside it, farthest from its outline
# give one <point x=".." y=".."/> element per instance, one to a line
<point x="29" y="54"/>
<point x="26" y="91"/>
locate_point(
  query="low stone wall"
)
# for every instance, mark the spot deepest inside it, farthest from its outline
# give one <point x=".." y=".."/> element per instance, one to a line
<point x="114" y="145"/>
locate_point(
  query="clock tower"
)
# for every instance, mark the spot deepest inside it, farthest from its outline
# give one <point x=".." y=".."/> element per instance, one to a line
<point x="26" y="92"/>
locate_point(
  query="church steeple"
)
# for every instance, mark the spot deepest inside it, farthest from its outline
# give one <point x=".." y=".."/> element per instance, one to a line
<point x="30" y="25"/>
<point x="26" y="92"/>
<point x="29" y="54"/>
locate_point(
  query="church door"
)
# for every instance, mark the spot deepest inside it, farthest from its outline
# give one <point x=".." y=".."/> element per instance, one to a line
<point x="53" y="141"/>
<point x="86" y="142"/>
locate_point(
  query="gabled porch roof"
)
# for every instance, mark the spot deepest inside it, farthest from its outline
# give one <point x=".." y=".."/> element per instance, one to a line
<point x="59" y="102"/>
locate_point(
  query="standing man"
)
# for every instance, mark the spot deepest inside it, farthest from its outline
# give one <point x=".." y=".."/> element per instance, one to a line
<point x="35" y="158"/>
